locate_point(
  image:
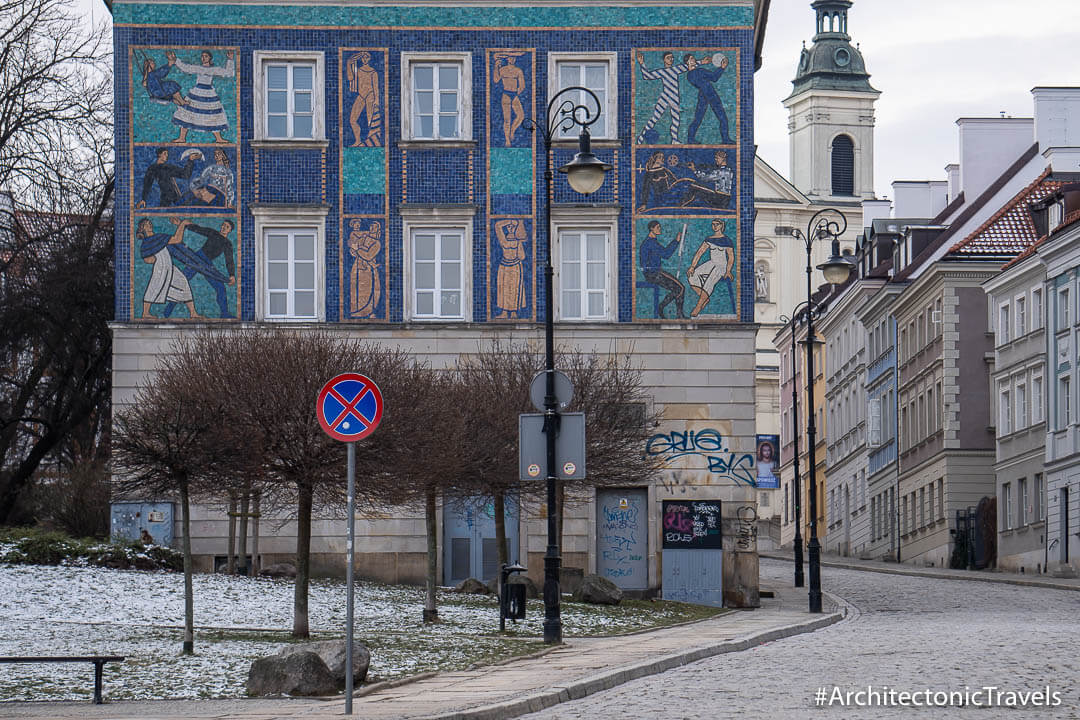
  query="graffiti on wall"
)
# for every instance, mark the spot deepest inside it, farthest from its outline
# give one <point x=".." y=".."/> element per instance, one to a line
<point x="707" y="446"/>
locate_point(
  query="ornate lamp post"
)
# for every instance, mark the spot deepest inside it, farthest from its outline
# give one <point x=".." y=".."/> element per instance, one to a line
<point x="830" y="224"/>
<point x="570" y="107"/>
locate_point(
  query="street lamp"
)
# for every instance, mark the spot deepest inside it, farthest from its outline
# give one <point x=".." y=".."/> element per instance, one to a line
<point x="585" y="173"/>
<point x="796" y="490"/>
<point x="827" y="223"/>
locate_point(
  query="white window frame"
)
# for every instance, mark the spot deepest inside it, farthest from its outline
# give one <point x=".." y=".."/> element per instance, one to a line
<point x="260" y="60"/>
<point x="587" y="220"/>
<point x="1004" y="326"/>
<point x="1038" y="397"/>
<point x="1022" y="515"/>
<point x="611" y="101"/>
<point x="445" y="220"/>
<point x="291" y="219"/>
<point x="465" y="103"/>
<point x="1004" y="410"/>
<point x="1020" y="393"/>
<point x="1006" y="506"/>
<point x="1020" y="320"/>
<point x="1036" y="307"/>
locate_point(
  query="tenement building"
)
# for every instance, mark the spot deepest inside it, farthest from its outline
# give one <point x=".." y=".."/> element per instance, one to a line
<point x="370" y="169"/>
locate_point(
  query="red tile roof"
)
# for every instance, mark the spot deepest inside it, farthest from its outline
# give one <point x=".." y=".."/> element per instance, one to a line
<point x="1010" y="231"/>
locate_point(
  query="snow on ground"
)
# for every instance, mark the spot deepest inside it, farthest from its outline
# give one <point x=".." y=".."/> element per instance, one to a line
<point x="88" y="610"/>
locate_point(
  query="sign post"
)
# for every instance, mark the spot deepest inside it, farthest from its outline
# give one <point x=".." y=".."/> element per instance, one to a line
<point x="349" y="408"/>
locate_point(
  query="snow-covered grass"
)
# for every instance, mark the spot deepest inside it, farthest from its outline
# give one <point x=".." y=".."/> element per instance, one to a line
<point x="88" y="610"/>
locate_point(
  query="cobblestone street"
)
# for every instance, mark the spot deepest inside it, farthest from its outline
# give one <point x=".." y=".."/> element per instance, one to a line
<point x="902" y="633"/>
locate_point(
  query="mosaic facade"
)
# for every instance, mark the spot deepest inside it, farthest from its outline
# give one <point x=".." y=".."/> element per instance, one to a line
<point x="191" y="143"/>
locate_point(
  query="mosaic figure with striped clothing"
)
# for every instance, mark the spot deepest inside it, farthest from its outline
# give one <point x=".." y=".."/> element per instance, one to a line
<point x="203" y="110"/>
<point x="668" y="102"/>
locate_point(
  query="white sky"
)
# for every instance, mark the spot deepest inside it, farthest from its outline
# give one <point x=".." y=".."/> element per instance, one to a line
<point x="933" y="61"/>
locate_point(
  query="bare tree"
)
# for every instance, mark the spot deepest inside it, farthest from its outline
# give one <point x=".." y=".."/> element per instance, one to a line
<point x="168" y="442"/>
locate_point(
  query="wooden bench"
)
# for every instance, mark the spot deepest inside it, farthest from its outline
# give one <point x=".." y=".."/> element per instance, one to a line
<point x="98" y="660"/>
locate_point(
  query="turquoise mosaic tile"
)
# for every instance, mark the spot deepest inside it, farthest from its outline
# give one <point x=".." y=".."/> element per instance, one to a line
<point x="511" y="171"/>
<point x="364" y="170"/>
<point x="308" y="16"/>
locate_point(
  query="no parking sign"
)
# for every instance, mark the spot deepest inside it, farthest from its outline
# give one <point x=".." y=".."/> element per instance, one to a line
<point x="349" y="407"/>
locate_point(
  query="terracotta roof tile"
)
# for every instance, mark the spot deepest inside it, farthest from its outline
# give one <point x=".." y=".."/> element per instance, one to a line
<point x="1010" y="231"/>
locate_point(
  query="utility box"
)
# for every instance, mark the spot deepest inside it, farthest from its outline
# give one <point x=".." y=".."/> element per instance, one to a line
<point x="693" y="552"/>
<point x="147" y="522"/>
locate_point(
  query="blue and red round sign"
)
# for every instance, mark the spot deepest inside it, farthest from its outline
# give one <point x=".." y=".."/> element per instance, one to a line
<point x="349" y="407"/>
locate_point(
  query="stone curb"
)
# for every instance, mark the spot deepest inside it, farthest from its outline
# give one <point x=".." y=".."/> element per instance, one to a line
<point x="542" y="700"/>
<point x="955" y="575"/>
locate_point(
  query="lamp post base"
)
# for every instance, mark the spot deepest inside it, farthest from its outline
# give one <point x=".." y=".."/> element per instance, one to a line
<point x="799" y="579"/>
<point x="814" y="549"/>
<point x="552" y="619"/>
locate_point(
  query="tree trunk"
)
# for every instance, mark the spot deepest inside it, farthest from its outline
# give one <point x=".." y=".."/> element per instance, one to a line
<point x="189" y="601"/>
<point x="241" y="561"/>
<point x="500" y="530"/>
<point x="230" y="563"/>
<point x="303" y="560"/>
<point x="431" y="611"/>
<point x="256" y="504"/>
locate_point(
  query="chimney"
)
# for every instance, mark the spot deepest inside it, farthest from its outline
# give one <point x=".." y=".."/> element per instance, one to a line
<point x="952" y="172"/>
<point x="914" y="198"/>
<point x="1057" y="117"/>
<point x="987" y="147"/>
<point x="875" y="210"/>
<point x="939" y="196"/>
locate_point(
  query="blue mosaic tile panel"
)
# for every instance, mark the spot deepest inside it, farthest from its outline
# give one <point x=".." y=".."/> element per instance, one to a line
<point x="437" y="176"/>
<point x="291" y="176"/>
<point x="511" y="204"/>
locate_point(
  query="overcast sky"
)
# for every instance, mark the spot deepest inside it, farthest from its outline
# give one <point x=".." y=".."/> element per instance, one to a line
<point x="933" y="61"/>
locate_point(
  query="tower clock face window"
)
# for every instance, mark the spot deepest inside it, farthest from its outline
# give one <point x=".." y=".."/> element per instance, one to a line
<point x="842" y="57"/>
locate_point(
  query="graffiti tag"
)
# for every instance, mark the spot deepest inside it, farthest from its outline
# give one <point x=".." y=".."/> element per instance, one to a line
<point x="707" y="444"/>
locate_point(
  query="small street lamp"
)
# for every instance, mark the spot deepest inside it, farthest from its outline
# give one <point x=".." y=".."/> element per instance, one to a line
<point x="585" y="173"/>
<point x="825" y="224"/>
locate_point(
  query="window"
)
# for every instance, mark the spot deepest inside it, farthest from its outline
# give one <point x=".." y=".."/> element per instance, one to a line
<point x="290" y="264"/>
<point x="843" y="166"/>
<point x="585" y="274"/>
<point x="1003" y="324"/>
<point x="922" y="507"/>
<point x="1038" y="502"/>
<point x="1064" y="403"/>
<point x="1004" y="412"/>
<point x="1006" y="507"/>
<point x="595" y="72"/>
<point x="941" y="498"/>
<point x="1021" y="406"/>
<point x="1036" y="399"/>
<point x="1036" y="308"/>
<point x="288" y="97"/>
<point x="438" y="273"/>
<point x="930" y="503"/>
<point x="931" y="413"/>
<point x="1063" y="309"/>
<point x="436" y="98"/>
<point x="1022" y="518"/>
<point x="1021" y="316"/>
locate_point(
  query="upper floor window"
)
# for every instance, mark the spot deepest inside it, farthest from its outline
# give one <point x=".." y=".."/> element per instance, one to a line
<point x="1036" y="308"/>
<point x="1021" y="316"/>
<point x="289" y="262"/>
<point x="1063" y="309"/>
<point x="436" y="97"/>
<point x="438" y="274"/>
<point x="595" y="71"/>
<point x="585" y="274"/>
<point x="843" y="166"/>
<point x="1003" y="324"/>
<point x="289" y="101"/>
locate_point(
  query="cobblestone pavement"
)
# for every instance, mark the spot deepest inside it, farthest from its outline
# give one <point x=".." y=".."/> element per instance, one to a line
<point x="902" y="633"/>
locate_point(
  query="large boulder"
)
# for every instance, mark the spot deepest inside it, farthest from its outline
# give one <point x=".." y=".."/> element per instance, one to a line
<point x="599" y="591"/>
<point x="284" y="570"/>
<point x="301" y="673"/>
<point x="472" y="586"/>
<point x="332" y="652"/>
<point x="531" y="591"/>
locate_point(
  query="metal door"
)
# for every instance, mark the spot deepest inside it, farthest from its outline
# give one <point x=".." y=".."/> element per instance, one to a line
<point x="469" y="547"/>
<point x="622" y="537"/>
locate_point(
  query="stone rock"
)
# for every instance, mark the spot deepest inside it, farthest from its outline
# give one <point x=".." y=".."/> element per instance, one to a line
<point x="300" y="674"/>
<point x="285" y="570"/>
<point x="531" y="591"/>
<point x="570" y="579"/>
<point x="599" y="591"/>
<point x="332" y="652"/>
<point x="472" y="586"/>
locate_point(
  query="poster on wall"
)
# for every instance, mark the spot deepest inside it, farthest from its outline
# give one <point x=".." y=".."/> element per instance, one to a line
<point x="768" y="474"/>
<point x="692" y="525"/>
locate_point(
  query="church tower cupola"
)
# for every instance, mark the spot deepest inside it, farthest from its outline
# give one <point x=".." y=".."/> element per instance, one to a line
<point x="831" y="112"/>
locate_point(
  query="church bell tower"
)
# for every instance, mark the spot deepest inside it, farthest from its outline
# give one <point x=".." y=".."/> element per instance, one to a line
<point x="831" y="113"/>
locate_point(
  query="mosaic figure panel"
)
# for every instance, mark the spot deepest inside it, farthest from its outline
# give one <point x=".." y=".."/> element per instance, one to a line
<point x="511" y="97"/>
<point x="685" y="96"/>
<point x="177" y="92"/>
<point x="512" y="254"/>
<point x="364" y="166"/>
<point x="185" y="267"/>
<point x="685" y="181"/>
<point x="363" y="269"/>
<point x="169" y="177"/>
<point x="686" y="268"/>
